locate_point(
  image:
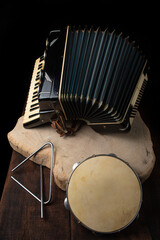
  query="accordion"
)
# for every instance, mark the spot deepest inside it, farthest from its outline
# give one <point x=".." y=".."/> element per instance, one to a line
<point x="94" y="76"/>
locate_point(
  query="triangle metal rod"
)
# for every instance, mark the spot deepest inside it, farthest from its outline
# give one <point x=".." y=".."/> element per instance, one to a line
<point x="41" y="177"/>
<point x="25" y="188"/>
<point x="41" y="189"/>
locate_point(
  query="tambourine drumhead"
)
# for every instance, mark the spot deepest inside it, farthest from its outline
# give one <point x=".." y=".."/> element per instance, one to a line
<point x="104" y="194"/>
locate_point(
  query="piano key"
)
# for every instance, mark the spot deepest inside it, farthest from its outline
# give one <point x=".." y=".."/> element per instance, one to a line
<point x="35" y="104"/>
<point x="32" y="106"/>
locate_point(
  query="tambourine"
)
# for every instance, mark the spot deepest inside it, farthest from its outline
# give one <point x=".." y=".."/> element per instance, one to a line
<point x="104" y="193"/>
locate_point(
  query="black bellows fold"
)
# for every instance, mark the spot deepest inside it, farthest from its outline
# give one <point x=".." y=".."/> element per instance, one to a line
<point x="100" y="72"/>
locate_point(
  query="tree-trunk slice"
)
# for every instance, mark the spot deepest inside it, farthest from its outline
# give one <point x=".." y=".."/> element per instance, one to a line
<point x="134" y="147"/>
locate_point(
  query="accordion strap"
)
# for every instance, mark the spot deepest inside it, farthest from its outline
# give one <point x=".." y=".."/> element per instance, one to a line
<point x="65" y="127"/>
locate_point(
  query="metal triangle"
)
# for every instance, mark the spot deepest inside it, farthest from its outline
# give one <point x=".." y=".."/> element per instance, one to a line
<point x="41" y="178"/>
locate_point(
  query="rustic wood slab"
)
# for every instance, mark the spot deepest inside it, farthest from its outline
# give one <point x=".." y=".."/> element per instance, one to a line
<point x="135" y="147"/>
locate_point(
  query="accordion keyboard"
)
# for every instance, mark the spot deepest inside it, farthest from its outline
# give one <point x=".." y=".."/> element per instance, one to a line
<point x="32" y="110"/>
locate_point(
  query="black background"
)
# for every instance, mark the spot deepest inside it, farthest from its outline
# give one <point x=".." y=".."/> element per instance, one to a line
<point x="23" y="31"/>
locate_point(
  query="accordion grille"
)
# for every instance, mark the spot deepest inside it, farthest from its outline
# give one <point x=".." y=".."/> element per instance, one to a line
<point x="99" y="75"/>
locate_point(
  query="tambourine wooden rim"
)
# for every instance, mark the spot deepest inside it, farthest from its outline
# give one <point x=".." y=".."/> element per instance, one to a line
<point x="70" y="207"/>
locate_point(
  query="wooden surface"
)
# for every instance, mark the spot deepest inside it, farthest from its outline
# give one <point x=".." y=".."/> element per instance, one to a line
<point x="20" y="212"/>
<point x="134" y="147"/>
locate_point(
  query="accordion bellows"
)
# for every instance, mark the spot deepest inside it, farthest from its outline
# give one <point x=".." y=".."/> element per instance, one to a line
<point x="102" y="78"/>
<point x="88" y="75"/>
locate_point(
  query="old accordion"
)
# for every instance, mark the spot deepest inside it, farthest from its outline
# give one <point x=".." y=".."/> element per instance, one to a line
<point x="90" y="75"/>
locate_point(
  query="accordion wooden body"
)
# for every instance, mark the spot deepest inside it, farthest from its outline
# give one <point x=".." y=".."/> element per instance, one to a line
<point x="88" y="75"/>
